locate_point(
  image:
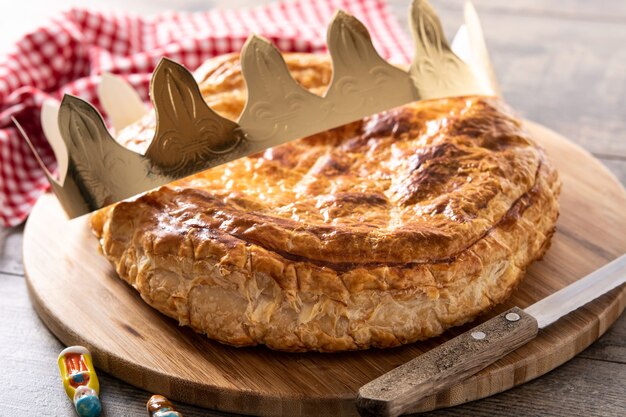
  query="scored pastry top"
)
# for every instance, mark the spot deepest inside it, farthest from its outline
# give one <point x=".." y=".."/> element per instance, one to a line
<point x="419" y="183"/>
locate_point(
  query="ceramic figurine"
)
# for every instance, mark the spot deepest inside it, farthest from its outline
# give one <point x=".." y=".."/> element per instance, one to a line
<point x="80" y="380"/>
<point x="159" y="406"/>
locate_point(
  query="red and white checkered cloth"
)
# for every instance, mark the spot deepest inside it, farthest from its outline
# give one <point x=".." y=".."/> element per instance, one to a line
<point x="69" y="54"/>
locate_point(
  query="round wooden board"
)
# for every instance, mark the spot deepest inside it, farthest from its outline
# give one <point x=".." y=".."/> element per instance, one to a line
<point x="79" y="297"/>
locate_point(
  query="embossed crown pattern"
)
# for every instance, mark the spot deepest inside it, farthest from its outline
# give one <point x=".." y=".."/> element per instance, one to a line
<point x="95" y="170"/>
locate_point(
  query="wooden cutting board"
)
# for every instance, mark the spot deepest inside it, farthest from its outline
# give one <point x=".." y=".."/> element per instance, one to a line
<point x="78" y="296"/>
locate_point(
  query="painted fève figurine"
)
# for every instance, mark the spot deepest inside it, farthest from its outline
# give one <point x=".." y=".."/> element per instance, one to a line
<point x="80" y="380"/>
<point x="159" y="406"/>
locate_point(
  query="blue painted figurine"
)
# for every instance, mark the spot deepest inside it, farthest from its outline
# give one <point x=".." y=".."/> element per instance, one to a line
<point x="159" y="406"/>
<point x="80" y="380"/>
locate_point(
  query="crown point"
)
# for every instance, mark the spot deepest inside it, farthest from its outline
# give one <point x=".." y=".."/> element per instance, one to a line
<point x="469" y="12"/>
<point x="344" y="17"/>
<point x="107" y="76"/>
<point x="255" y="39"/>
<point x="422" y="6"/>
<point x="342" y="24"/>
<point x="166" y="64"/>
<point x="256" y="43"/>
<point x="69" y="99"/>
<point x="74" y="103"/>
<point x="340" y="14"/>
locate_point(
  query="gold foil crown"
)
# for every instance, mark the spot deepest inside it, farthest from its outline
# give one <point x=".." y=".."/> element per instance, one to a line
<point x="190" y="137"/>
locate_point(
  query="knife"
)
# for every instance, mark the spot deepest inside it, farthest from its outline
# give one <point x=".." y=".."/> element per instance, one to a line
<point x="398" y="390"/>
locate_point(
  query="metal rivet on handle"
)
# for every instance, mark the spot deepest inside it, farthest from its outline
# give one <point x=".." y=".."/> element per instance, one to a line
<point x="478" y="335"/>
<point x="512" y="317"/>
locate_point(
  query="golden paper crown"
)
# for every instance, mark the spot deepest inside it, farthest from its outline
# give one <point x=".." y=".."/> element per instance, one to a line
<point x="190" y="137"/>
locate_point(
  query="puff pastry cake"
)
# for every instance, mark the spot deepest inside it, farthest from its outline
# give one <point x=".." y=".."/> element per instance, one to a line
<point x="376" y="234"/>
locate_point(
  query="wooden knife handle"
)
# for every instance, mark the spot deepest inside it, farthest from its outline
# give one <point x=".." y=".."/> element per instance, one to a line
<point x="398" y="390"/>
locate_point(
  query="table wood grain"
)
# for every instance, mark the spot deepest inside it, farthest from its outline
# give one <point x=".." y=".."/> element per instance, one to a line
<point x="561" y="63"/>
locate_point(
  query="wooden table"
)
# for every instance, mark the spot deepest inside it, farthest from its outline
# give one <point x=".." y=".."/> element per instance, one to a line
<point x="561" y="63"/>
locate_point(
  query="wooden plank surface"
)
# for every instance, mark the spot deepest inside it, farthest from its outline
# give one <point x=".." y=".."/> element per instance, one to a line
<point x="566" y="391"/>
<point x="11" y="251"/>
<point x="611" y="347"/>
<point x="142" y="347"/>
<point x="583" y="380"/>
<point x="588" y="385"/>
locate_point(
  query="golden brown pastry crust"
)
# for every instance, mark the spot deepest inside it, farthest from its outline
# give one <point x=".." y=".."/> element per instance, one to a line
<point x="379" y="233"/>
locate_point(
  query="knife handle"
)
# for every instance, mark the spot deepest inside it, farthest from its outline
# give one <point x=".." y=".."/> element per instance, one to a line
<point x="446" y="365"/>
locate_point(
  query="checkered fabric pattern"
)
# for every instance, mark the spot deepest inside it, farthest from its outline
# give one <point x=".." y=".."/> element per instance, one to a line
<point x="69" y="54"/>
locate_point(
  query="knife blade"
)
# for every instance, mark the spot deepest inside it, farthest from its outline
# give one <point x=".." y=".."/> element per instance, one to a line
<point x="398" y="390"/>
